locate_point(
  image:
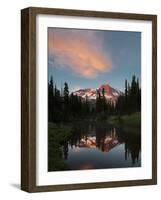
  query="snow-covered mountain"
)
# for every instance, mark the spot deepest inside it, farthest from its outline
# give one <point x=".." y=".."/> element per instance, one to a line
<point x="110" y="93"/>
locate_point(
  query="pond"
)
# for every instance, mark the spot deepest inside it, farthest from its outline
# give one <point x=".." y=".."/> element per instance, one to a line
<point x="96" y="145"/>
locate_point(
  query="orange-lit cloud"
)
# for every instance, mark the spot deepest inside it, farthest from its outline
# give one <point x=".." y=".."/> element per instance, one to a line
<point x="78" y="51"/>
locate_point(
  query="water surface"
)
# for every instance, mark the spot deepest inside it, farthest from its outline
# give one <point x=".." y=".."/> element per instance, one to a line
<point x="100" y="145"/>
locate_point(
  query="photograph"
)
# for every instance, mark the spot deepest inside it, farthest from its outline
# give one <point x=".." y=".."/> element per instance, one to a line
<point x="89" y="99"/>
<point x="94" y="99"/>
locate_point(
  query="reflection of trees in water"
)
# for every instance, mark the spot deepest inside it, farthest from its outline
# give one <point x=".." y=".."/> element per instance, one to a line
<point x="132" y="140"/>
<point x="101" y="132"/>
<point x="65" y="150"/>
<point x="105" y="137"/>
<point x="132" y="147"/>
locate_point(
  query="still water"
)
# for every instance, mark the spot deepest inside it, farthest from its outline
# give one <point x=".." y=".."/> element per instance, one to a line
<point x="100" y="145"/>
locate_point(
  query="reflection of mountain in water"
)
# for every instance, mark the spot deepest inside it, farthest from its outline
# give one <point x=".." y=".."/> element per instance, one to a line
<point x="104" y="138"/>
<point x="107" y="143"/>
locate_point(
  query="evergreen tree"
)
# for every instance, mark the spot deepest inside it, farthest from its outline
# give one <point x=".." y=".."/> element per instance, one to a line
<point x="66" y="101"/>
<point x="66" y="92"/>
<point x="50" y="99"/>
<point x="98" y="102"/>
<point x="104" y="102"/>
<point x="57" y="105"/>
<point x="131" y="101"/>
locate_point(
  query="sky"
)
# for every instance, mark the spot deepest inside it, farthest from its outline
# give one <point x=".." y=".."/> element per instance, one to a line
<point x="90" y="58"/>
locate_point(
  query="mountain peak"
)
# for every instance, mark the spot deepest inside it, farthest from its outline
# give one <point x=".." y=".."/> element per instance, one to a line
<point x="106" y="87"/>
<point x="111" y="94"/>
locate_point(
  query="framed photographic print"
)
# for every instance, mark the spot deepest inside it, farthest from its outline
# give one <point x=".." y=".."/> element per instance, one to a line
<point x="89" y="99"/>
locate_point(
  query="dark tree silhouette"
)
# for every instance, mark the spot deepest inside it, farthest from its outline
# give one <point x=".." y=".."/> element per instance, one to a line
<point x="66" y="106"/>
<point x="50" y="99"/>
<point x="66" y="101"/>
<point x="130" y="102"/>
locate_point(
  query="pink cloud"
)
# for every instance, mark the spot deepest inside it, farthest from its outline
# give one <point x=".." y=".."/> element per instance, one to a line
<point x="78" y="51"/>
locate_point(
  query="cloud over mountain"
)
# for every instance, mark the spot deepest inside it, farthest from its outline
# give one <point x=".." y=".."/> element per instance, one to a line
<point x="78" y="51"/>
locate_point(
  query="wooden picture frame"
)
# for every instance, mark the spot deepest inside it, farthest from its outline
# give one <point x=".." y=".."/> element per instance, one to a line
<point x="28" y="98"/>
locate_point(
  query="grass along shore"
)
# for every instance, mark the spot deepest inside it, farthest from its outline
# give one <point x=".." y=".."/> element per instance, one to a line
<point x="127" y="120"/>
<point x="57" y="135"/>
